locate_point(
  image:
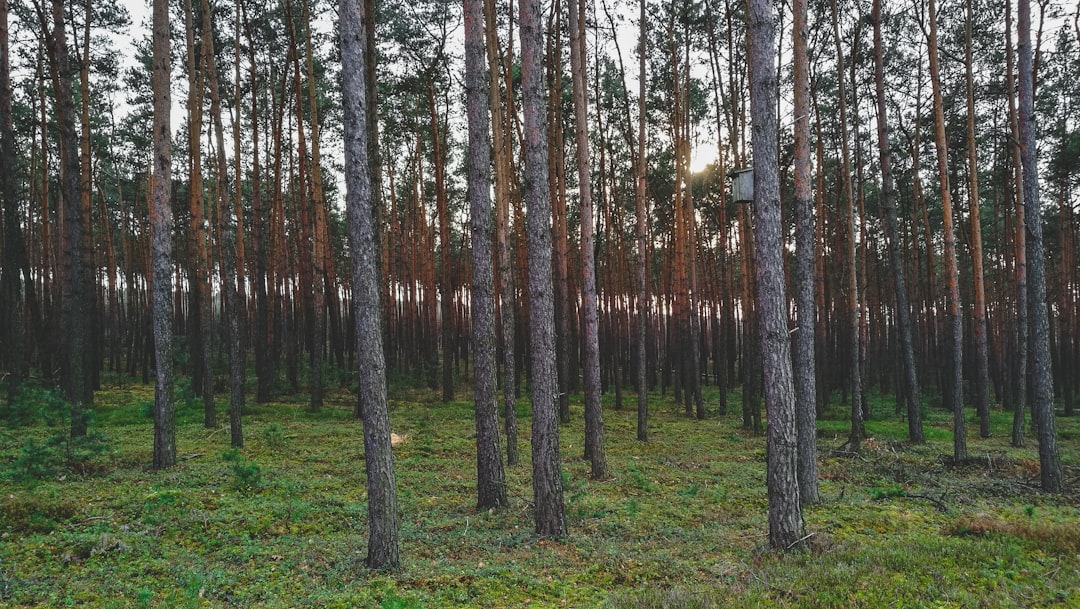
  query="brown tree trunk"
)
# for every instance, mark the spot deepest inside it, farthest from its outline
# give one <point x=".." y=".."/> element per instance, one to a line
<point x="785" y="512"/>
<point x="1042" y="389"/>
<point x="803" y="361"/>
<point x="952" y="274"/>
<point x="378" y="460"/>
<point x="490" y="478"/>
<point x="200" y="304"/>
<point x="909" y="386"/>
<point x="161" y="220"/>
<point x="547" y="477"/>
<point x="853" y="306"/>
<point x="594" y="413"/>
<point x="641" y="232"/>
<point x="502" y="152"/>
<point x="978" y="321"/>
<point x="228" y="258"/>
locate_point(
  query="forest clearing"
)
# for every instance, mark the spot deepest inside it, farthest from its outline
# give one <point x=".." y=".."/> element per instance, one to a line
<point x="680" y="523"/>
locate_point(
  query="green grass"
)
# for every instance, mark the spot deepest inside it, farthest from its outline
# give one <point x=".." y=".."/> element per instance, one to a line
<point x="682" y="522"/>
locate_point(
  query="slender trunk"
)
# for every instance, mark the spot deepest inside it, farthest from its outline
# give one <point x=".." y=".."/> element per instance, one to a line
<point x="978" y="321"/>
<point x="952" y="274"/>
<point x="803" y="361"/>
<point x="910" y="385"/>
<point x="502" y="152"/>
<point x="642" y="236"/>
<point x="785" y="513"/>
<point x="594" y="413"/>
<point x="382" y="552"/>
<point x="228" y="258"/>
<point x="853" y="309"/>
<point x="161" y="219"/>
<point x="547" y="477"/>
<point x="1042" y="389"/>
<point x="490" y="478"/>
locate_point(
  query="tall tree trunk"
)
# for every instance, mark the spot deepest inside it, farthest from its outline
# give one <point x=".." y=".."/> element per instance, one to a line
<point x="952" y="274"/>
<point x="803" y="361"/>
<point x="978" y="321"/>
<point x="378" y="460"/>
<point x="446" y="287"/>
<point x="228" y="258"/>
<point x="785" y="512"/>
<point x="490" y="479"/>
<point x="74" y="376"/>
<point x="1042" y="389"/>
<point x="201" y="308"/>
<point x="641" y="233"/>
<point x="502" y="152"/>
<point x="910" y="385"/>
<point x="13" y="247"/>
<point x="594" y="413"/>
<point x="547" y="477"/>
<point x="161" y="220"/>
<point x="853" y="308"/>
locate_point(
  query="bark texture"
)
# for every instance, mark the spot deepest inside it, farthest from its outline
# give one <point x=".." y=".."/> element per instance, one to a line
<point x="785" y="512"/>
<point x="490" y="478"/>
<point x="547" y="478"/>
<point x="382" y="552"/>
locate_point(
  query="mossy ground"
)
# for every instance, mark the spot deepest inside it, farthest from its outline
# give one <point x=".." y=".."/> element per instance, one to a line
<point x="681" y="522"/>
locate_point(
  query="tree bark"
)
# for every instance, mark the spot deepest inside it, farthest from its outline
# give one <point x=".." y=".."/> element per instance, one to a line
<point x="161" y="225"/>
<point x="952" y="274"/>
<point x="978" y="321"/>
<point x="547" y="477"/>
<point x="1042" y="388"/>
<point x="378" y="459"/>
<point x="490" y="478"/>
<point x="853" y="308"/>
<point x="502" y="152"/>
<point x="803" y="361"/>
<point x="785" y="512"/>
<point x="641" y="232"/>
<point x="594" y="413"/>
<point x="910" y="385"/>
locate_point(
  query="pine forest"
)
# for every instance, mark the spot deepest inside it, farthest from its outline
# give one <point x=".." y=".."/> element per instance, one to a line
<point x="539" y="303"/>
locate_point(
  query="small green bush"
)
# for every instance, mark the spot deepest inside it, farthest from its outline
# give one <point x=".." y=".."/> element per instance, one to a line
<point x="247" y="475"/>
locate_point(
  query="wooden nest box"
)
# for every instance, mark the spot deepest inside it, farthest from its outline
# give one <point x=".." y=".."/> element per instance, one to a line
<point x="742" y="185"/>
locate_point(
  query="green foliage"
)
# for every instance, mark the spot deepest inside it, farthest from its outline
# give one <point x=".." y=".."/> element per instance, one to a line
<point x="682" y="523"/>
<point x="247" y="475"/>
<point x="35" y="404"/>
<point x="273" y="435"/>
<point x="58" y="454"/>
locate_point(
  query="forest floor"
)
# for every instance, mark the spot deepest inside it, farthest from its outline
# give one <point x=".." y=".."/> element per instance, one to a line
<point x="681" y="523"/>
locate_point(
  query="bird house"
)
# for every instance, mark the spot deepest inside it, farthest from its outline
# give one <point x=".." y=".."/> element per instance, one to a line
<point x="742" y="185"/>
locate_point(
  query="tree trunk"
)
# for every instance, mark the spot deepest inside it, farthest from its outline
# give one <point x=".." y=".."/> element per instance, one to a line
<point x="594" y="413"/>
<point x="547" y="477"/>
<point x="641" y="232"/>
<point x="161" y="220"/>
<point x="378" y="460"/>
<point x="803" y="361"/>
<point x="228" y="258"/>
<point x="910" y="385"/>
<point x="978" y="321"/>
<point x="502" y="152"/>
<point x="952" y="274"/>
<point x="490" y="479"/>
<point x="1042" y="389"/>
<point x="785" y="512"/>
<point x="853" y="308"/>
<point x="201" y="308"/>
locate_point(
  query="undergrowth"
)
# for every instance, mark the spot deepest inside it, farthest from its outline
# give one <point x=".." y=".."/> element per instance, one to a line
<point x="681" y="522"/>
